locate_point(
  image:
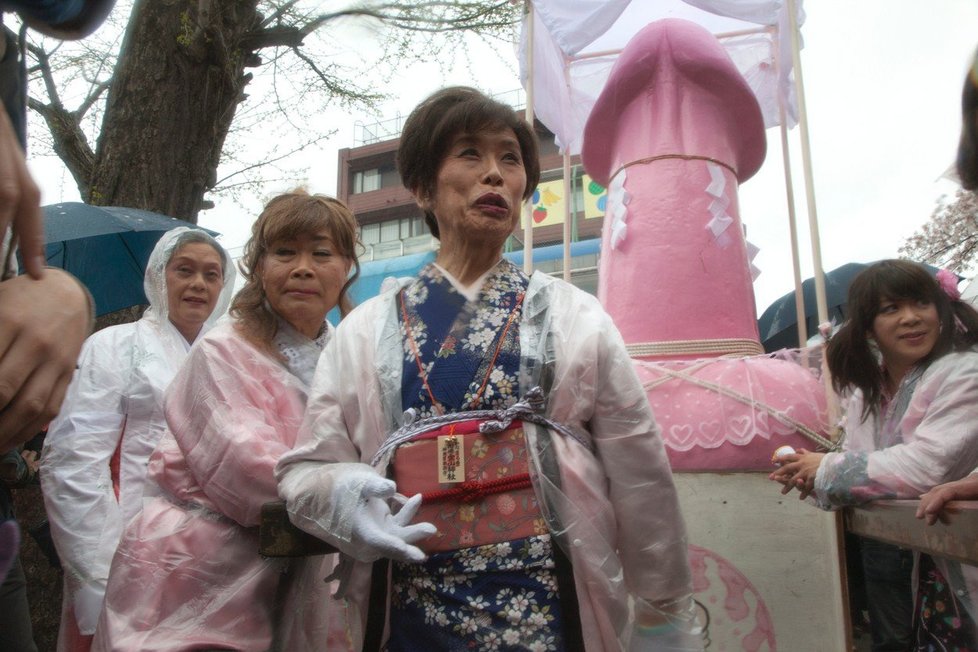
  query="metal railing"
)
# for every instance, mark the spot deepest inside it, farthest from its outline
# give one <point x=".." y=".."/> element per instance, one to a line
<point x="395" y="248"/>
<point x="375" y="132"/>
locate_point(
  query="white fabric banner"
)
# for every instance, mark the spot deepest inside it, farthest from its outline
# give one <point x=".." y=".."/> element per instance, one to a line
<point x="574" y="24"/>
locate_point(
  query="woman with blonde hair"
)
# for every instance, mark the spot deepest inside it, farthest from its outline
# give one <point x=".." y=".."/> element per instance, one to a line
<point x="187" y="574"/>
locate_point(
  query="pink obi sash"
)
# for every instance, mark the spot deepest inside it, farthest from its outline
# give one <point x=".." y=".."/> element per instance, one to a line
<point x="476" y="487"/>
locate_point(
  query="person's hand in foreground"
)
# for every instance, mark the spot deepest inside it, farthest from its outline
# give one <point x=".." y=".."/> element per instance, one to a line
<point x="20" y="201"/>
<point x="932" y="503"/>
<point x="43" y="323"/>
<point x="797" y="471"/>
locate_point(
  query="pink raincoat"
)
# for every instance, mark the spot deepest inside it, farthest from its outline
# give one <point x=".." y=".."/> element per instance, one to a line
<point x="187" y="573"/>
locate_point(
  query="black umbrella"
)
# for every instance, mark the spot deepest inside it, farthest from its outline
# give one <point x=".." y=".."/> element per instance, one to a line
<point x="106" y="247"/>
<point x="778" y="325"/>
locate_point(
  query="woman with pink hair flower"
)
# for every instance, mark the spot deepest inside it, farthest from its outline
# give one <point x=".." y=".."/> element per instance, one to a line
<point x="906" y="355"/>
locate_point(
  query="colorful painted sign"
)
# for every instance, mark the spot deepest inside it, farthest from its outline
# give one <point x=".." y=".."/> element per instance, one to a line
<point x="548" y="201"/>
<point x="595" y="198"/>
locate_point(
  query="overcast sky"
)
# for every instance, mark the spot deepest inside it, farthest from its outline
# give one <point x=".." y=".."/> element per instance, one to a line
<point x="883" y="84"/>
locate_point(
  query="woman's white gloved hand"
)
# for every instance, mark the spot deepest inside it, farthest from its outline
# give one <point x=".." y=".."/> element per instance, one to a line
<point x="378" y="532"/>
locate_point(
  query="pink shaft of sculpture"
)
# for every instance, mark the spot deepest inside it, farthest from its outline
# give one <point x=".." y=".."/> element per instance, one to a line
<point x="675" y="93"/>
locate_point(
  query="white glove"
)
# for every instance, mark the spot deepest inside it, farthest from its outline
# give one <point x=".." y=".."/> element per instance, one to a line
<point x="377" y="532"/>
<point x="88" y="606"/>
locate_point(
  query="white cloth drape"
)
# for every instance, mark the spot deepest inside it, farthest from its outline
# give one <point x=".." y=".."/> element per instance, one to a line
<point x="576" y="43"/>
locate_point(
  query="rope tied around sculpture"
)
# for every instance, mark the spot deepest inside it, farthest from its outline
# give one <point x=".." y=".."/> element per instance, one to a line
<point x="722" y="346"/>
<point x="683" y="157"/>
<point x="779" y="416"/>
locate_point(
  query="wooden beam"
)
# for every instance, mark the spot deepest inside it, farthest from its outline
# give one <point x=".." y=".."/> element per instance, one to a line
<point x="893" y="521"/>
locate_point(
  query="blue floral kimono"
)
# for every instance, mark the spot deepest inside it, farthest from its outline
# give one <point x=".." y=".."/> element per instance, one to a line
<point x="458" y="356"/>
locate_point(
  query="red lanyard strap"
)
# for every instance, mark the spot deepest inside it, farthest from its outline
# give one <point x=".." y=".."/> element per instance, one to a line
<point x="439" y="409"/>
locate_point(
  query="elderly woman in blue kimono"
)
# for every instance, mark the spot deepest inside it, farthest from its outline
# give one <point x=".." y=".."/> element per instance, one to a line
<point x="543" y="514"/>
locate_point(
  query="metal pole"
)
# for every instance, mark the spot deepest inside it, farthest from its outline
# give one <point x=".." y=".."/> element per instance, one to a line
<point x="528" y="206"/>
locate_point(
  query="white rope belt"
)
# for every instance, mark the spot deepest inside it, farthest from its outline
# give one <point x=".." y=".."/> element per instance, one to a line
<point x="729" y="346"/>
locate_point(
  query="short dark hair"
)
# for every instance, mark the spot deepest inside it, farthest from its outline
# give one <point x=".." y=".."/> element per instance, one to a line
<point x="432" y="126"/>
<point x="850" y="355"/>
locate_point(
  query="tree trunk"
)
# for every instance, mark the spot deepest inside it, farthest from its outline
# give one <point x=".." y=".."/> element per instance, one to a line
<point x="163" y="132"/>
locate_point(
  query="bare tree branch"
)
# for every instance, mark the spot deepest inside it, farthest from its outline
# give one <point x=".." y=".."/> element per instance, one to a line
<point x="950" y="238"/>
<point x="69" y="143"/>
<point x="97" y="91"/>
<point x="269" y="161"/>
<point x="331" y="83"/>
<point x="278" y="13"/>
<point x="292" y="36"/>
<point x="44" y="67"/>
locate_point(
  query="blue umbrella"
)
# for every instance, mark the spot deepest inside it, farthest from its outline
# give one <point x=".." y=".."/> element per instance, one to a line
<point x="106" y="247"/>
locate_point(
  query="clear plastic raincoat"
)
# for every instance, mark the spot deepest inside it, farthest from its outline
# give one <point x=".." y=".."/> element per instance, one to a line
<point x="94" y="464"/>
<point x="187" y="573"/>
<point x="927" y="435"/>
<point x="616" y="507"/>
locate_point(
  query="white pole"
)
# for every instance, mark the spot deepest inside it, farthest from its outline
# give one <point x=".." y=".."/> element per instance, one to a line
<point x="792" y="218"/>
<point x="831" y="400"/>
<point x="568" y="196"/>
<point x="793" y="230"/>
<point x="806" y="159"/>
<point x="528" y="206"/>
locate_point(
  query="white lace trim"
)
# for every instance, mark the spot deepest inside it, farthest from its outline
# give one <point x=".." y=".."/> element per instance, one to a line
<point x="301" y="353"/>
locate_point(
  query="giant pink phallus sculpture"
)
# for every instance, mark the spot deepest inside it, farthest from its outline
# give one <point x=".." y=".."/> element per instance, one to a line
<point x="672" y="135"/>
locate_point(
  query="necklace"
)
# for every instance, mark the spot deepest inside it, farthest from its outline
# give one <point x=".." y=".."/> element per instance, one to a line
<point x="500" y="338"/>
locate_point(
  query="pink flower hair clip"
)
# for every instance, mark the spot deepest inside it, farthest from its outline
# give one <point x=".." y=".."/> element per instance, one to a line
<point x="949" y="283"/>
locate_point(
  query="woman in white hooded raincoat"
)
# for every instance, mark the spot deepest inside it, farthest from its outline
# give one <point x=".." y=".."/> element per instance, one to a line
<point x="187" y="574"/>
<point x="96" y="451"/>
<point x="568" y="535"/>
